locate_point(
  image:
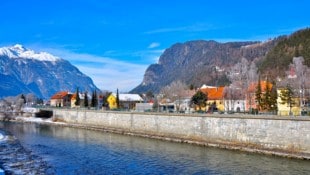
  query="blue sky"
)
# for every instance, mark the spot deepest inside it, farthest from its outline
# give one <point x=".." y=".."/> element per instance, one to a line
<point x="114" y="41"/>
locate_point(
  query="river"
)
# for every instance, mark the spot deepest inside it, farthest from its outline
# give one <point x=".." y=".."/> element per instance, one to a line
<point x="79" y="151"/>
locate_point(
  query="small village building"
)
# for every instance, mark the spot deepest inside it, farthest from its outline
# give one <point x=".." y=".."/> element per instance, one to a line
<point x="233" y="100"/>
<point x="236" y="105"/>
<point x="126" y="101"/>
<point x="144" y="107"/>
<point x="179" y="103"/>
<point x="102" y="100"/>
<point x="215" y="96"/>
<point x="166" y="106"/>
<point x="183" y="104"/>
<point x="61" y="99"/>
<point x="286" y="109"/>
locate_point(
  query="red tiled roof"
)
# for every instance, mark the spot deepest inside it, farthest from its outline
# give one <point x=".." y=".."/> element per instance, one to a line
<point x="214" y="93"/>
<point x="60" y="95"/>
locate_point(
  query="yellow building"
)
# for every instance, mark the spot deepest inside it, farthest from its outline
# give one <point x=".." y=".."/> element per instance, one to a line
<point x="126" y="101"/>
<point x="215" y="98"/>
<point x="112" y="101"/>
<point x="284" y="109"/>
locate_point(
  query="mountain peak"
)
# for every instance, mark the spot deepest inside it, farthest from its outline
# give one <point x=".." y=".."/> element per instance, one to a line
<point x="19" y="47"/>
<point x="19" y="51"/>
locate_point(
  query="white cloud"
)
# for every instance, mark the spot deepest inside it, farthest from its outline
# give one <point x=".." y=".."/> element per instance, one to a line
<point x="191" y="28"/>
<point x="153" y="45"/>
<point x="107" y="73"/>
<point x="165" y="30"/>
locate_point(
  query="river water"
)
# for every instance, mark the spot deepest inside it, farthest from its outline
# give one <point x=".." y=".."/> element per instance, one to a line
<point x="79" y="151"/>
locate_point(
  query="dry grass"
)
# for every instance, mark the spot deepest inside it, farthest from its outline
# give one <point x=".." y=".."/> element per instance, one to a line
<point x="55" y="119"/>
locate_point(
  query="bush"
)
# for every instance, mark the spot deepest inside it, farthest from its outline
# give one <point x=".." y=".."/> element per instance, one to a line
<point x="200" y="111"/>
<point x="254" y="111"/>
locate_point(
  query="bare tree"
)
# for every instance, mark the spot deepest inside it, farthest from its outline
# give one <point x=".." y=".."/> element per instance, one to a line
<point x="31" y="99"/>
<point x="252" y="73"/>
<point x="8" y="104"/>
<point x="13" y="104"/>
<point x="302" y="72"/>
<point x="174" y="92"/>
<point x="242" y="75"/>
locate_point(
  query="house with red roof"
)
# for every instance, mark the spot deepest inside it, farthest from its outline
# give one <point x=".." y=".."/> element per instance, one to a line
<point x="60" y="99"/>
<point x="215" y="98"/>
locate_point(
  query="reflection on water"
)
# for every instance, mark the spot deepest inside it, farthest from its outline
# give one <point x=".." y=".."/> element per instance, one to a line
<point x="79" y="151"/>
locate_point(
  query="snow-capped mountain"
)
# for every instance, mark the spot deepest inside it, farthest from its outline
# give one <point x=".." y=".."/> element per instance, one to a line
<point x="25" y="71"/>
<point x="19" y="51"/>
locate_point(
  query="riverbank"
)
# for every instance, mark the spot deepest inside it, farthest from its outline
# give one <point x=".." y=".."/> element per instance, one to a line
<point x="72" y="150"/>
<point x="294" y="151"/>
<point x="273" y="135"/>
<point x="15" y="159"/>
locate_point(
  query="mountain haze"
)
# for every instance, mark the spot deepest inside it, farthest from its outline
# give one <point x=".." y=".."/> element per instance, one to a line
<point x="25" y="71"/>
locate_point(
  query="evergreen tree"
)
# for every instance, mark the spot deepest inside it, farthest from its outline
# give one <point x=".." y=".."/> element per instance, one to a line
<point x="117" y="99"/>
<point x="274" y="97"/>
<point x="266" y="100"/>
<point x="23" y="98"/>
<point x="258" y="94"/>
<point x="94" y="100"/>
<point x="286" y="97"/>
<point x="199" y="99"/>
<point x="149" y="96"/>
<point x="39" y="101"/>
<point x="279" y="57"/>
<point x="296" y="52"/>
<point x="191" y="87"/>
<point x="77" y="99"/>
<point x="85" y="99"/>
<point x="105" y="99"/>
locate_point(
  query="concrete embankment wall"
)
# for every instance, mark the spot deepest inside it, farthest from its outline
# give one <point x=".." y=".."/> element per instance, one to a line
<point x="267" y="134"/>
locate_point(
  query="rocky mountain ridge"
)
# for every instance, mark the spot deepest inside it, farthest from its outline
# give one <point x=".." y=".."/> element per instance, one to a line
<point x="200" y="62"/>
<point x="25" y="71"/>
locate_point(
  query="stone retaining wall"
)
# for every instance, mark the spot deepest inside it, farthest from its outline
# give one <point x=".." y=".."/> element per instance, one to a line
<point x="286" y="136"/>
